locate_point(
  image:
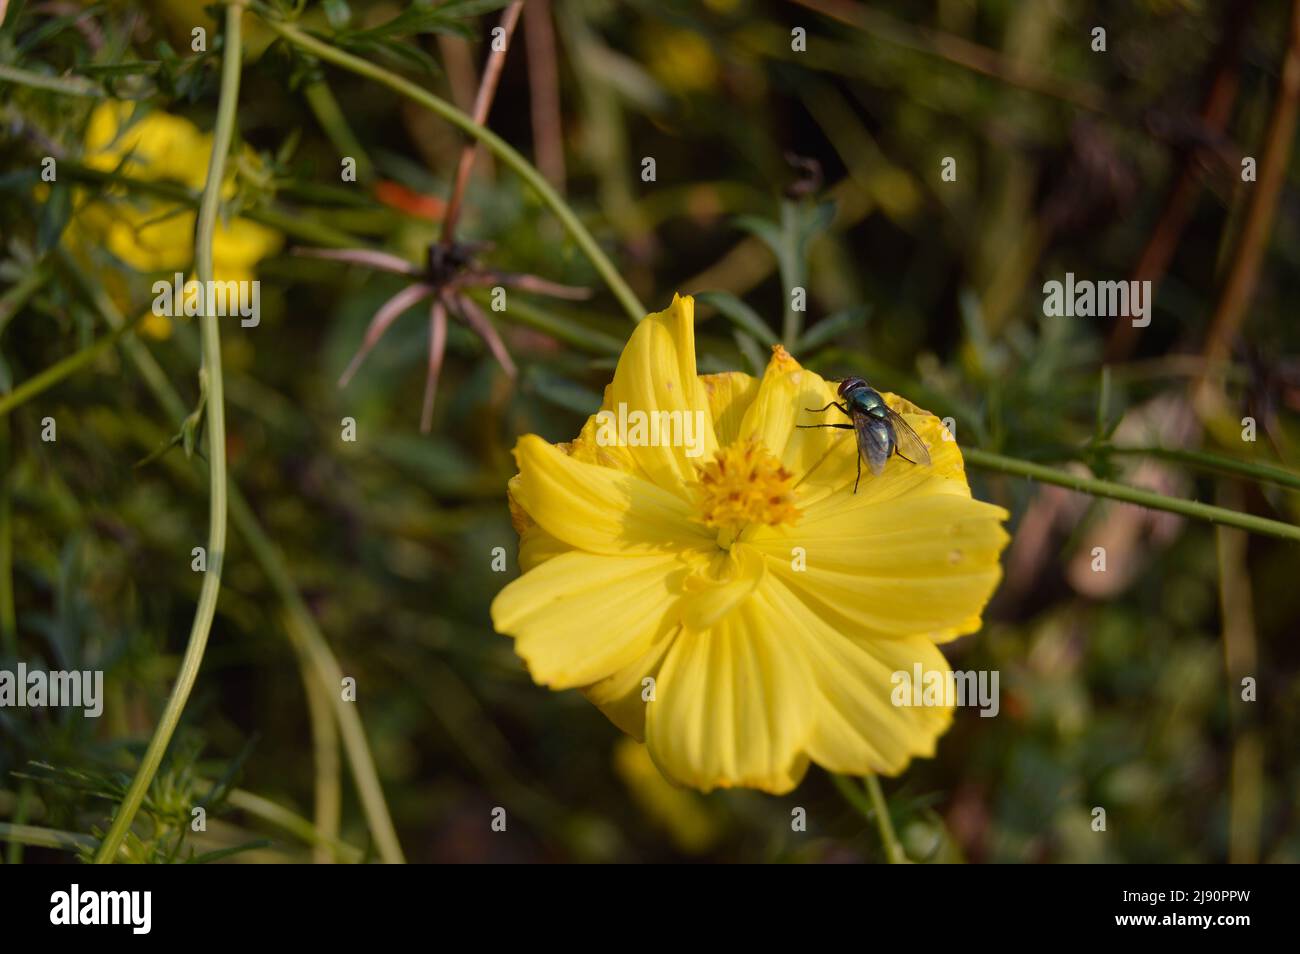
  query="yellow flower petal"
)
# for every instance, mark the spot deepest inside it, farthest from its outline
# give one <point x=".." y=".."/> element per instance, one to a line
<point x="656" y="374"/>
<point x="857" y="729"/>
<point x="714" y="590"/>
<point x="155" y="146"/>
<point x="732" y="707"/>
<point x="586" y="448"/>
<point x="623" y="695"/>
<point x="729" y="395"/>
<point x="578" y="618"/>
<point x="158" y="327"/>
<point x="817" y="456"/>
<point x="599" y="509"/>
<point x="536" y="546"/>
<point x="921" y="564"/>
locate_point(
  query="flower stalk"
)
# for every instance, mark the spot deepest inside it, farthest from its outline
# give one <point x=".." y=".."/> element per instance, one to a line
<point x="213" y="385"/>
<point x="1122" y="492"/>
<point x="873" y="809"/>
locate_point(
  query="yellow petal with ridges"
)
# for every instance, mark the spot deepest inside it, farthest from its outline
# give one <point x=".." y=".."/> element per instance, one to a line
<point x="623" y="695"/>
<point x="656" y="375"/>
<point x="817" y="456"/>
<point x="857" y="729"/>
<point x="732" y="707"/>
<point x="599" y="509"/>
<point x="729" y="395"/>
<point x="717" y="587"/>
<point x="916" y="565"/>
<point x="578" y="618"/>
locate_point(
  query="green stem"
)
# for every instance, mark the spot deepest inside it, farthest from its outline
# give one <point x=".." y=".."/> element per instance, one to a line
<point x="326" y="109"/>
<point x="325" y="749"/>
<point x="216" y="421"/>
<point x="1122" y="492"/>
<point x="354" y="737"/>
<point x="1267" y="473"/>
<point x="360" y="761"/>
<point x="26" y="796"/>
<point x="45" y="837"/>
<point x="550" y="322"/>
<point x="499" y="147"/>
<point x="68" y="85"/>
<point x="874" y="810"/>
<point x="291" y="822"/>
<point x="12" y="301"/>
<point x="893" y="848"/>
<point x="62" y="369"/>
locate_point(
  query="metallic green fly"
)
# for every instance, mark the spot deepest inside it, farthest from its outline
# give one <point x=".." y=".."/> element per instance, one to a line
<point x="880" y="429"/>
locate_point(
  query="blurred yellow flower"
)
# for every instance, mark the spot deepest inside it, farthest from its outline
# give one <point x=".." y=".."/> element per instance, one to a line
<point x="681" y="813"/>
<point x="682" y="60"/>
<point x="744" y="612"/>
<point x="151" y="235"/>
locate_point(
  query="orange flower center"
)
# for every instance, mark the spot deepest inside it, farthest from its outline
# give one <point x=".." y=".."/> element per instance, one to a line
<point x="744" y="484"/>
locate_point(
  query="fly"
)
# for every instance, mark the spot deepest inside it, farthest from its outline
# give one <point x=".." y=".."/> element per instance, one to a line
<point x="880" y="430"/>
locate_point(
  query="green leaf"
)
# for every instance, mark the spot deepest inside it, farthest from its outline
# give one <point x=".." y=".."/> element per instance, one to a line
<point x="752" y="352"/>
<point x="816" y="220"/>
<point x="560" y="391"/>
<point x="832" y="327"/>
<point x="739" y="314"/>
<point x="219" y="853"/>
<point x="761" y="228"/>
<point x="463" y="9"/>
<point x="394" y="49"/>
<point x="54" y="217"/>
<point x="338" y="13"/>
<point x="422" y="18"/>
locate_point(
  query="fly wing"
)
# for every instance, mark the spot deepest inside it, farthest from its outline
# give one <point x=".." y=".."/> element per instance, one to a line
<point x="873" y="442"/>
<point x="910" y="445"/>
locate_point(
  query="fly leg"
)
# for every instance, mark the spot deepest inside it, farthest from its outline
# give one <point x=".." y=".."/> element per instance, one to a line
<point x="837" y="404"/>
<point x="843" y="427"/>
<point x="856" y="482"/>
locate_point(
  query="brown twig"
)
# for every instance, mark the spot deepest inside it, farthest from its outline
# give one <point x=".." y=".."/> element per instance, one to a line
<point x="544" y="92"/>
<point x="1215" y="112"/>
<point x="1278" y="138"/>
<point x="462" y="78"/>
<point x="437" y="348"/>
<point x="487" y="89"/>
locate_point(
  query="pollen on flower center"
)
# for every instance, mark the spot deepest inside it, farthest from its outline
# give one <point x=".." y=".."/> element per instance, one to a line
<point x="745" y="484"/>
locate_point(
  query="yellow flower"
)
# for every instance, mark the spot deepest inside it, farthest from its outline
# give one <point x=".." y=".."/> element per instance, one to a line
<point x="682" y="60"/>
<point x="152" y="236"/>
<point x="155" y="146"/>
<point x="742" y="610"/>
<point x="682" y="814"/>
